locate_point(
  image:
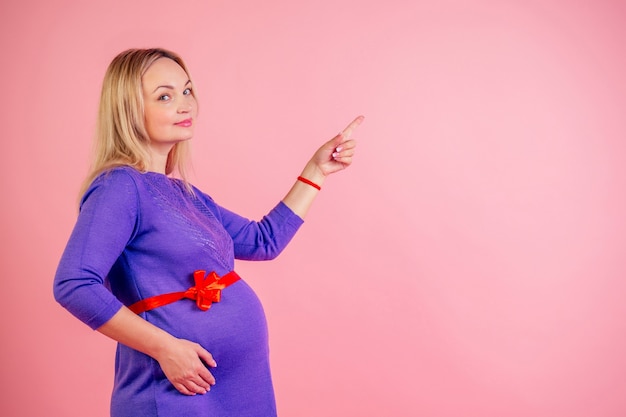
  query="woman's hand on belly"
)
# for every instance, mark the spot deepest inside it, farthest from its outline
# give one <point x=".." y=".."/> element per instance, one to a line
<point x="183" y="363"/>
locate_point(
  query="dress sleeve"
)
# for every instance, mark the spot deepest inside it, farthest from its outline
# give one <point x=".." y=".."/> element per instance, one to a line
<point x="106" y="222"/>
<point x="258" y="240"/>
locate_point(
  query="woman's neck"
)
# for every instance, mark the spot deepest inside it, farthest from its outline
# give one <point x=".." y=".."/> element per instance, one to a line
<point x="158" y="158"/>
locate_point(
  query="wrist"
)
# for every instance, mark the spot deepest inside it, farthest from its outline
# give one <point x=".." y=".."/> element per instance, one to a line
<point x="160" y="346"/>
<point x="308" y="182"/>
<point x="312" y="173"/>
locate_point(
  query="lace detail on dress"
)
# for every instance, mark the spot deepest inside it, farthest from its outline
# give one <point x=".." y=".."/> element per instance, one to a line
<point x="191" y="215"/>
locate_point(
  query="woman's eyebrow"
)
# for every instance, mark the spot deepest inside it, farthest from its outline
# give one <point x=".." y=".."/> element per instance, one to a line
<point x="170" y="87"/>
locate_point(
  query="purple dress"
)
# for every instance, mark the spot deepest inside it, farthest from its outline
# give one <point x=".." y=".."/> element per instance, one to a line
<point x="143" y="234"/>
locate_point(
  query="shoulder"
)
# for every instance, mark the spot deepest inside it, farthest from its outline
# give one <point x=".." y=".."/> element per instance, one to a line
<point x="119" y="183"/>
<point x="111" y="204"/>
<point x="117" y="174"/>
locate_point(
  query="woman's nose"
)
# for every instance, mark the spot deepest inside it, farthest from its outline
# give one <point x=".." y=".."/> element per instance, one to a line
<point x="184" y="107"/>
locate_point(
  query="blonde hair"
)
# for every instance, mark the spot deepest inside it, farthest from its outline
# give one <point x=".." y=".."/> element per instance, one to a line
<point x="121" y="136"/>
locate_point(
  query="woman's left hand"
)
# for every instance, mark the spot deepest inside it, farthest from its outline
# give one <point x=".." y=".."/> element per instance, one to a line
<point x="337" y="153"/>
<point x="333" y="156"/>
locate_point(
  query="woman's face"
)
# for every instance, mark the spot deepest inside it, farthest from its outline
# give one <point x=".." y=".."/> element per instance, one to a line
<point x="170" y="107"/>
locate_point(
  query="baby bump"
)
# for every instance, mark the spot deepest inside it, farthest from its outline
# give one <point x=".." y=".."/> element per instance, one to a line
<point x="233" y="329"/>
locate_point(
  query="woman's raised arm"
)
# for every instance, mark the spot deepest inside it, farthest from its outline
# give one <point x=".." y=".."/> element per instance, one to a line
<point x="335" y="155"/>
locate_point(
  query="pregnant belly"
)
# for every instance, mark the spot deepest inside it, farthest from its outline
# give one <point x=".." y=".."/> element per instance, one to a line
<point x="232" y="330"/>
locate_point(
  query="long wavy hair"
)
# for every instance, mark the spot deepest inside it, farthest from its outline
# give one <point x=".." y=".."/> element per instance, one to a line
<point x="121" y="136"/>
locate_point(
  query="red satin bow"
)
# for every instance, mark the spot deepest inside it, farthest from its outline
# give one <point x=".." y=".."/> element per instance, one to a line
<point x="208" y="290"/>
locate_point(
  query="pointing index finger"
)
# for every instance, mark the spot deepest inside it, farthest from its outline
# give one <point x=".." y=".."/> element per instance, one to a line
<point x="353" y="125"/>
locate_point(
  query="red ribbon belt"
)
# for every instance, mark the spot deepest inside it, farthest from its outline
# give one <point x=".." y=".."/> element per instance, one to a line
<point x="208" y="290"/>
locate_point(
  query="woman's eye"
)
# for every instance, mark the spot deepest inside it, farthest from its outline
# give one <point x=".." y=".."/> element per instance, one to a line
<point x="164" y="97"/>
<point x="187" y="91"/>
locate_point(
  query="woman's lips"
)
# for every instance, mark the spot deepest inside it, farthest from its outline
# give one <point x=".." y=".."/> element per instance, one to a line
<point x="184" y="123"/>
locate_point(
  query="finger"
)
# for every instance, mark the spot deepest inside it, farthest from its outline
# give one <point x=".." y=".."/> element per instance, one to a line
<point x="342" y="153"/>
<point x="344" y="149"/>
<point x="345" y="146"/>
<point x="183" y="389"/>
<point x="206" y="357"/>
<point x="207" y="378"/>
<point x="196" y="387"/>
<point x="337" y="146"/>
<point x="345" y="160"/>
<point x="353" y="125"/>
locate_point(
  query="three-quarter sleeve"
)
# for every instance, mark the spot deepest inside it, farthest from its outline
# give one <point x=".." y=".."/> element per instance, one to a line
<point x="258" y="240"/>
<point x="106" y="222"/>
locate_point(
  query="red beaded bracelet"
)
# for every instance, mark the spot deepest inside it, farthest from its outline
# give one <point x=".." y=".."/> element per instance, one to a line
<point x="311" y="183"/>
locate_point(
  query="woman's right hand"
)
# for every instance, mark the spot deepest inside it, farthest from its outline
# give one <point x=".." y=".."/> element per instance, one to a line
<point x="183" y="363"/>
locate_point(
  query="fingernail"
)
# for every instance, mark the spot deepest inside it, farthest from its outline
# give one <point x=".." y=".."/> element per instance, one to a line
<point x="335" y="154"/>
<point x="338" y="148"/>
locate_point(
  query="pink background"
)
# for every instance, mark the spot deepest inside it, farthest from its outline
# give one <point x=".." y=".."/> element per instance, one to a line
<point x="471" y="262"/>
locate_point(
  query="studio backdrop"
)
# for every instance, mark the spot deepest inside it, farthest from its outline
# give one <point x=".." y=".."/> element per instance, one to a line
<point x="469" y="263"/>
